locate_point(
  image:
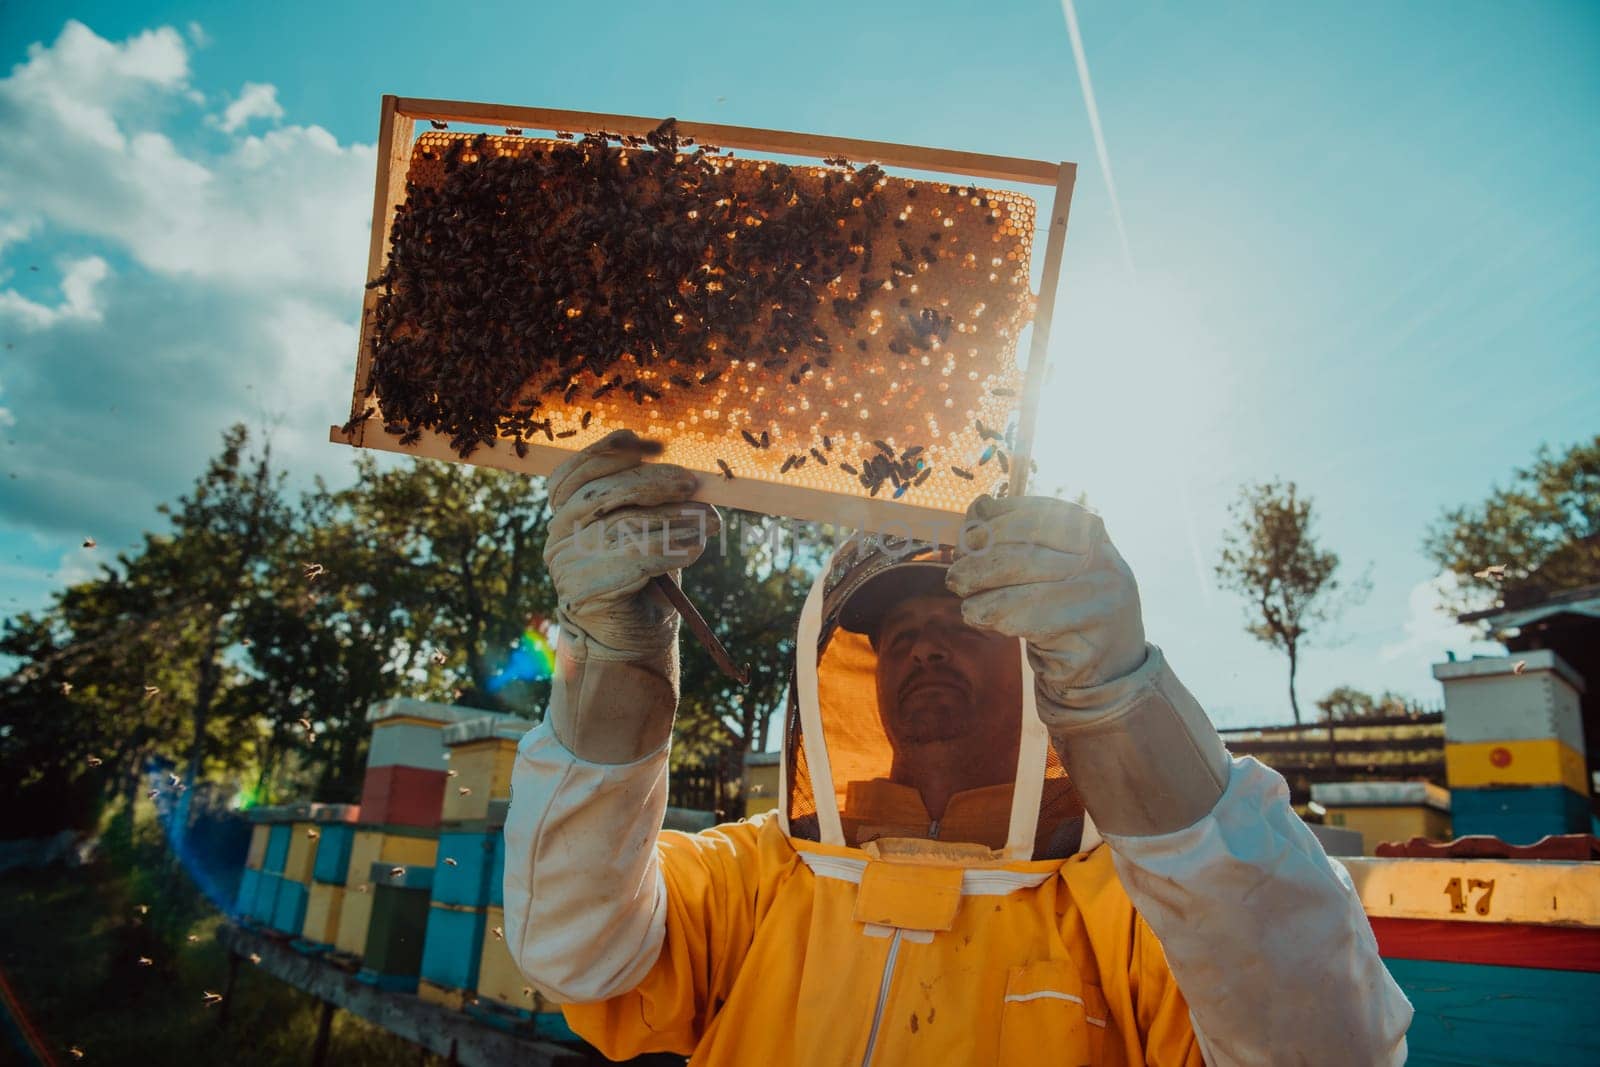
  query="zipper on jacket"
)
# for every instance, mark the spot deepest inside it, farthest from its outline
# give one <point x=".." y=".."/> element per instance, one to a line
<point x="883" y="997"/>
<point x="933" y="829"/>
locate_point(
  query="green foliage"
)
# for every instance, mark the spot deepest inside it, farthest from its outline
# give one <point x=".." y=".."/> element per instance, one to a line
<point x="1544" y="529"/>
<point x="1271" y="558"/>
<point x="1348" y="704"/>
<point x="251" y="616"/>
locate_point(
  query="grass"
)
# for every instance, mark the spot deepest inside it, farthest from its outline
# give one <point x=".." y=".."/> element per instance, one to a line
<point x="70" y="944"/>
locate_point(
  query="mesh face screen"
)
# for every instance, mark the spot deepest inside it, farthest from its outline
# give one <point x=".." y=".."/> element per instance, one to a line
<point x="826" y="327"/>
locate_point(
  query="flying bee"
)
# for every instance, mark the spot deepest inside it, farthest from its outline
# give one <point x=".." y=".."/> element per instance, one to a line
<point x="66" y="689"/>
<point x="465" y="791"/>
<point x="1519" y="667"/>
<point x="439" y="658"/>
<point x="75" y="1052"/>
<point x="499" y="933"/>
<point x="1492" y="573"/>
<point x="304" y="724"/>
<point x="312" y="571"/>
<point x="397" y="872"/>
<point x="451" y="773"/>
<point x="255" y="958"/>
<point x="436" y="124"/>
<point x="94" y="761"/>
<point x="88" y="542"/>
<point x="727" y="472"/>
<point x="194" y="939"/>
<point x="312" y="833"/>
<point x="209" y="998"/>
<point x="146" y="961"/>
<point x="151" y="691"/>
<point x="450" y="861"/>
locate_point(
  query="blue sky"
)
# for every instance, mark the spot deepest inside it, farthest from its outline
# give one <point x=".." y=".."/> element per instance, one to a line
<point x="1364" y="245"/>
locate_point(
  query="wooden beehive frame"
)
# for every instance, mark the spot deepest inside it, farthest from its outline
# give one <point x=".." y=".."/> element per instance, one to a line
<point x="395" y="137"/>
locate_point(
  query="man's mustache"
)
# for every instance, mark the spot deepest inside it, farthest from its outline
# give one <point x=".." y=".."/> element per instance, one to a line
<point x="931" y="676"/>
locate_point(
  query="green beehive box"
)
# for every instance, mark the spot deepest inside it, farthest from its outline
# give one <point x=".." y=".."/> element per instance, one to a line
<point x="398" y="927"/>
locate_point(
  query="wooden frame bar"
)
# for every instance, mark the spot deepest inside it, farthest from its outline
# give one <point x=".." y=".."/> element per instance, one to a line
<point x="397" y="122"/>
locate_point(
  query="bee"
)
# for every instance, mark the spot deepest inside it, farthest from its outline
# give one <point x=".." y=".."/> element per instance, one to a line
<point x="827" y="442"/>
<point x="304" y="724"/>
<point x="154" y="794"/>
<point x="439" y="658"/>
<point x="513" y="131"/>
<point x="884" y="448"/>
<point x="146" y="961"/>
<point x="255" y="958"/>
<point x="194" y="939"/>
<point x="900" y="490"/>
<point x="436" y="124"/>
<point x="919" y="479"/>
<point x="786" y="465"/>
<point x="465" y="791"/>
<point x="313" y="833"/>
<point x="76" y="1052"/>
<point x="66" y="689"/>
<point x="173" y="779"/>
<point x="397" y="872"/>
<point x="451" y="773"/>
<point x="312" y="571"/>
<point x="88" y="542"/>
<point x="799" y="461"/>
<point x="1493" y="573"/>
<point x="751" y="439"/>
<point x="449" y="861"/>
<point x="910" y="453"/>
<point x="848" y="469"/>
<point x="766" y="439"/>
<point x="572" y="390"/>
<point x="988" y="454"/>
<point x="209" y="998"/>
<point x="567" y="433"/>
<point x="1005" y="465"/>
<point x="142" y="909"/>
<point x="151" y="691"/>
<point x="94" y="761"/>
<point x="681" y="382"/>
<point x="985" y="432"/>
<point x="499" y="933"/>
<point x="727" y="472"/>
<point x="564" y="135"/>
<point x="963" y="474"/>
<point x="1003" y="392"/>
<point x="583" y="424"/>
<point x="819" y="457"/>
<point x="710" y="376"/>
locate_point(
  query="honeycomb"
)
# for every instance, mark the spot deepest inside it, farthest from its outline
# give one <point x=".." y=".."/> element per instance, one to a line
<point x="864" y="345"/>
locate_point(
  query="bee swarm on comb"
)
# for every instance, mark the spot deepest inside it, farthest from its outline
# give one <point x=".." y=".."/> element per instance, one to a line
<point x="554" y="290"/>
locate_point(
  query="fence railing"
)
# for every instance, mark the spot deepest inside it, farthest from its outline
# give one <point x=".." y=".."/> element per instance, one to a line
<point x="1391" y="748"/>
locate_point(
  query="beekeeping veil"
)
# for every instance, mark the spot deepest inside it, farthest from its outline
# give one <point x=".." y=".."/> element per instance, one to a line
<point x="838" y="754"/>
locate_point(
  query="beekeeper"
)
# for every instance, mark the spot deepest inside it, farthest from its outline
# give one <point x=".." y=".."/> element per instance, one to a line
<point x="1007" y="833"/>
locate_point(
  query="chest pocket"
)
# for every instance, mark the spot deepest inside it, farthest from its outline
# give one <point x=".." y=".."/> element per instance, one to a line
<point x="1051" y="1015"/>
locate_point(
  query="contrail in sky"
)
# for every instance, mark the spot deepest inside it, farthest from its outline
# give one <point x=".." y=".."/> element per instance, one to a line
<point x="1094" y="125"/>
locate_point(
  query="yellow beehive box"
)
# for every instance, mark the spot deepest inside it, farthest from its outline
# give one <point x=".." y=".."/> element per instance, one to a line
<point x="258" y="845"/>
<point x="322" y="913"/>
<point x="482" y="752"/>
<point x="438" y="994"/>
<point x="499" y="980"/>
<point x="1549" y="761"/>
<point x="388" y="846"/>
<point x="355" y="915"/>
<point x="302" y="852"/>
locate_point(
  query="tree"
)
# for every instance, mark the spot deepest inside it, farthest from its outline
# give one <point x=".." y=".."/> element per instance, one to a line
<point x="1271" y="558"/>
<point x="1347" y="704"/>
<point x="1543" y="529"/>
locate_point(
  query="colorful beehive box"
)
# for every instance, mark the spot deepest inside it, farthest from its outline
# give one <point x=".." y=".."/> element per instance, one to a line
<point x="406" y="772"/>
<point x="499" y="980"/>
<point x="249" y="882"/>
<point x="370" y="847"/>
<point x="336" y="824"/>
<point x="1386" y="811"/>
<point x="324" y="903"/>
<point x="277" y="848"/>
<point x="257" y="854"/>
<point x="466" y="858"/>
<point x="1514" y="746"/>
<point x="301" y="858"/>
<point x="451" y="953"/>
<point x="1500" y="958"/>
<point x="392" y="956"/>
<point x="289" y="906"/>
<point x="482" y="753"/>
<point x="261" y="908"/>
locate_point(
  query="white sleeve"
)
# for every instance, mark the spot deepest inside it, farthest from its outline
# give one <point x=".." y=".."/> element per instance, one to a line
<point x="1264" y="934"/>
<point x="585" y="902"/>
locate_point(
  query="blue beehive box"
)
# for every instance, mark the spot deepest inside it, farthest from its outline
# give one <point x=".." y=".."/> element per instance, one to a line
<point x="249" y="882"/>
<point x="333" y="853"/>
<point x="464" y="882"/>
<point x="277" y="849"/>
<point x="452" y="947"/>
<point x="289" y="906"/>
<point x="261" y="906"/>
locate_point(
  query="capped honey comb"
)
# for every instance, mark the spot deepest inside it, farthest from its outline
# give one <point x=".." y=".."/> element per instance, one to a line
<point x="831" y="327"/>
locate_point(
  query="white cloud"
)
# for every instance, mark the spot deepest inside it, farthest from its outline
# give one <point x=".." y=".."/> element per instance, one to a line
<point x="14" y="229"/>
<point x="255" y="101"/>
<point x="1430" y="629"/>
<point x="235" y="297"/>
<point x="79" y="282"/>
<point x="198" y="34"/>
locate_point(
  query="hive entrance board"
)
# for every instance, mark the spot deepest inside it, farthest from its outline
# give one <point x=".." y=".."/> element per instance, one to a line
<point x="841" y="339"/>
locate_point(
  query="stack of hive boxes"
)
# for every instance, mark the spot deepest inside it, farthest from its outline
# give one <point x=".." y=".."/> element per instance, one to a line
<point x="272" y="837"/>
<point x="482" y="752"/>
<point x="1514" y="746"/>
<point x="334" y="826"/>
<point x="255" y="876"/>
<point x="392" y="853"/>
<point x="294" y="879"/>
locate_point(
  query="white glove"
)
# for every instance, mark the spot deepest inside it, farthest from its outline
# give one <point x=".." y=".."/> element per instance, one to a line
<point x="1140" y="750"/>
<point x="618" y="523"/>
<point x="1044" y="570"/>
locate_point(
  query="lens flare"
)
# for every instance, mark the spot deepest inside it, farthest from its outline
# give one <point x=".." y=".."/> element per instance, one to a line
<point x="532" y="660"/>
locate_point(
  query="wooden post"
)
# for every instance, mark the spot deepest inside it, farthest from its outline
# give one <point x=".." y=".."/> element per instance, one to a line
<point x="319" y="1049"/>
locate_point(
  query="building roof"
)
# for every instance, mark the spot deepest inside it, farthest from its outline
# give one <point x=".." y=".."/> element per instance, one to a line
<point x="1582" y="601"/>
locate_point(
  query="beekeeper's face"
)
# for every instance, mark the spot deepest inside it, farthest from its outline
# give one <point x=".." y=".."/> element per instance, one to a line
<point x="941" y="680"/>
